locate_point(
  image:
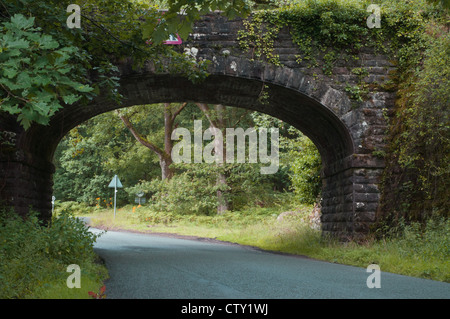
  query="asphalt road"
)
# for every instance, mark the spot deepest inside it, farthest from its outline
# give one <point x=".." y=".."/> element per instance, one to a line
<point x="156" y="267"/>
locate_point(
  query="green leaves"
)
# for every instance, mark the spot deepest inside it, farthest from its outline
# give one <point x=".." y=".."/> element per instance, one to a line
<point x="35" y="73"/>
<point x="20" y="22"/>
<point x="443" y="3"/>
<point x="34" y="256"/>
<point x="416" y="179"/>
<point x="305" y="167"/>
<point x="41" y="58"/>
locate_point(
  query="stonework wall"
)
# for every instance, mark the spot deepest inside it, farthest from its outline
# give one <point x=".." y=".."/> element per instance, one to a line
<point x="25" y="178"/>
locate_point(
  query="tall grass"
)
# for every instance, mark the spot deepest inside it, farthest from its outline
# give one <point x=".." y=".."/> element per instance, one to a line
<point x="414" y="250"/>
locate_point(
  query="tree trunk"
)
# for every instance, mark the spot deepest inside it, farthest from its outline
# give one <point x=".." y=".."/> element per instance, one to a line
<point x="166" y="160"/>
<point x="222" y="201"/>
<point x="165" y="156"/>
<point x="166" y="171"/>
<point x="218" y="122"/>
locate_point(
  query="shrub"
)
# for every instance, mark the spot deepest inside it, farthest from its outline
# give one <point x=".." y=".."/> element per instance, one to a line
<point x="305" y="170"/>
<point x="74" y="208"/>
<point x="33" y="255"/>
<point x="417" y="176"/>
<point x="68" y="240"/>
<point x="194" y="189"/>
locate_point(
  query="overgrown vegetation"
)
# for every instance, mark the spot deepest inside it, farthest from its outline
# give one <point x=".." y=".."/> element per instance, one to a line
<point x="415" y="35"/>
<point x="417" y="178"/>
<point x="305" y="170"/>
<point x="324" y="31"/>
<point x="46" y="65"/>
<point x="34" y="258"/>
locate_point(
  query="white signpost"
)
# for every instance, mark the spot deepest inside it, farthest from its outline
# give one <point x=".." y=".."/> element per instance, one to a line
<point x="115" y="183"/>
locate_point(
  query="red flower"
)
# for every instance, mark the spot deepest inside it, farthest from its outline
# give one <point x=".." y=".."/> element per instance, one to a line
<point x="100" y="295"/>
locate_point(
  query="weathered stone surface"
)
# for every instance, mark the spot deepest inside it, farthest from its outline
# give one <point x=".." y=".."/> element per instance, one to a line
<point x="345" y="131"/>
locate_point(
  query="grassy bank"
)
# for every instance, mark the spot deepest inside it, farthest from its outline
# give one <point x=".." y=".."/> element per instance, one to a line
<point x="416" y="252"/>
<point x="34" y="258"/>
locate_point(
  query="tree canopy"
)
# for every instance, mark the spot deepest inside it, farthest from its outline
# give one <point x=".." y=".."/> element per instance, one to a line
<point x="45" y="64"/>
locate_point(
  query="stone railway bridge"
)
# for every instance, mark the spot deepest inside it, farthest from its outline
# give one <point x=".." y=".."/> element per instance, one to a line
<point x="345" y="131"/>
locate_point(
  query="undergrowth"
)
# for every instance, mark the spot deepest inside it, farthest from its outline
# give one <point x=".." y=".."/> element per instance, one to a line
<point x="34" y="257"/>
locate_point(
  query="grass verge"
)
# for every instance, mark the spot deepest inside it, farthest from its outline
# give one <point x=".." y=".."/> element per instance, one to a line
<point x="34" y="258"/>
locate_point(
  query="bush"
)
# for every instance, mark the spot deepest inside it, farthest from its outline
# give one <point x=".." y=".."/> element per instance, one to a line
<point x="68" y="240"/>
<point x="33" y="255"/>
<point x="305" y="168"/>
<point x="194" y="189"/>
<point x="74" y="208"/>
<point x="183" y="194"/>
<point x="417" y="176"/>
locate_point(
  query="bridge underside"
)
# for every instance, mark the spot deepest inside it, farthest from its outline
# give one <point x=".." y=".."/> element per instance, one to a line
<point x="350" y="178"/>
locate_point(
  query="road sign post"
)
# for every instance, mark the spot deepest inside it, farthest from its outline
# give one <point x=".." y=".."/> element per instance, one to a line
<point x="115" y="183"/>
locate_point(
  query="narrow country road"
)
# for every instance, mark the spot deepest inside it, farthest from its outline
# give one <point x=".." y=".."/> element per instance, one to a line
<point x="158" y="267"/>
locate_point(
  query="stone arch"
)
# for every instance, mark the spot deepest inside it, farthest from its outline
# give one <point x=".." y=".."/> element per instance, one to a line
<point x="311" y="105"/>
<point x="286" y="101"/>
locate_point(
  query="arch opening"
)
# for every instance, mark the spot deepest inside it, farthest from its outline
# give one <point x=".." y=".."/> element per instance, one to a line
<point x="316" y="121"/>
